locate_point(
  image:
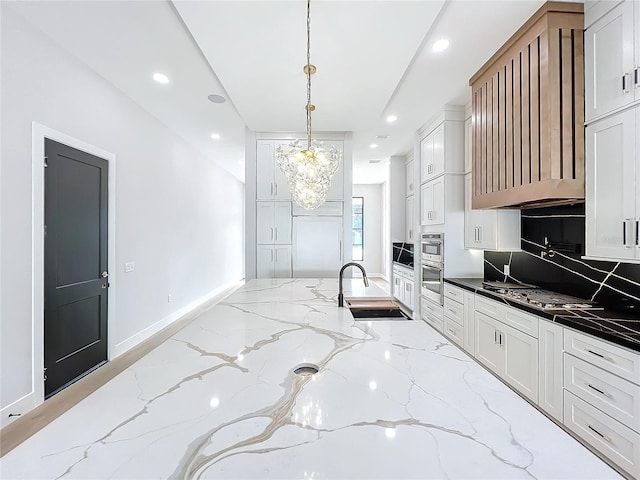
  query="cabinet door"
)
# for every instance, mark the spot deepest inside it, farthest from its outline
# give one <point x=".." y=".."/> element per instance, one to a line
<point x="317" y="246"/>
<point x="264" y="261"/>
<point x="521" y="361"/>
<point x="550" y="369"/>
<point x="265" y="187"/>
<point x="437" y="217"/>
<point x="282" y="261"/>
<point x="472" y="218"/>
<point x="408" y="294"/>
<point x="469" y="324"/>
<point x="409" y="179"/>
<point x="264" y="222"/>
<point x="609" y="62"/>
<point x="426" y="160"/>
<point x="438" y="152"/>
<point x="397" y="287"/>
<point x="488" y="350"/>
<point x="409" y="219"/>
<point x="426" y="205"/>
<point x="281" y="190"/>
<point x="610" y="192"/>
<point x="281" y="223"/>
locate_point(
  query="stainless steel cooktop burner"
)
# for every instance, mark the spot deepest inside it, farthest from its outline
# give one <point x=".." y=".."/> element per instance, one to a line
<point x="543" y="299"/>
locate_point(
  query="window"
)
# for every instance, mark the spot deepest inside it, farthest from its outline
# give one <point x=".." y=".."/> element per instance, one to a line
<point x="357" y="225"/>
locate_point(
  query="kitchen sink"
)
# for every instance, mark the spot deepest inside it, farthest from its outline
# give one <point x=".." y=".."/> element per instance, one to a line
<point x="364" y="310"/>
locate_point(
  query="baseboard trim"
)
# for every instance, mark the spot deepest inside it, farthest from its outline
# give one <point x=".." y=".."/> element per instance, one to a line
<point x="19" y="408"/>
<point x="35" y="417"/>
<point x="141" y="336"/>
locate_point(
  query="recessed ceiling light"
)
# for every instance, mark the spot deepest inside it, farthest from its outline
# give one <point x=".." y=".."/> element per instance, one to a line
<point x="160" y="78"/>
<point x="391" y="118"/>
<point x="382" y="137"/>
<point x="215" y="136"/>
<point x="217" y="98"/>
<point x="440" y="46"/>
<point x="375" y="160"/>
<point x="373" y="145"/>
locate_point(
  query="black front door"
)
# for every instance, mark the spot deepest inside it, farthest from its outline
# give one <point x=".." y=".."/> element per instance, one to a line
<point x="75" y="264"/>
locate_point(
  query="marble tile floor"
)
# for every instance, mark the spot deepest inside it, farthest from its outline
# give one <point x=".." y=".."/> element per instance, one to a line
<point x="392" y="399"/>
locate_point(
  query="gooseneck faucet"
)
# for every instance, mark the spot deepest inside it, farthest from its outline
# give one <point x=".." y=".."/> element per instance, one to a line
<point x="364" y="277"/>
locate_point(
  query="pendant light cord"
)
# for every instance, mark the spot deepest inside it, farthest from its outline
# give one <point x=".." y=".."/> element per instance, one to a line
<point x="308" y="75"/>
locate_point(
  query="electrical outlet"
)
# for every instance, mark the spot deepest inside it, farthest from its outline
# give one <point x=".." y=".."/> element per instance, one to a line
<point x="169" y="298"/>
<point x="507" y="270"/>
<point x="129" y="267"/>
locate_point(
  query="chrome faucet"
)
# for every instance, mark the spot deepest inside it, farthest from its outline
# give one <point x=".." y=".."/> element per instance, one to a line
<point x="364" y="277"/>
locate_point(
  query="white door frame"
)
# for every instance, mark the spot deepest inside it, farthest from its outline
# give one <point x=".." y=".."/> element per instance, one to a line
<point x="38" y="134"/>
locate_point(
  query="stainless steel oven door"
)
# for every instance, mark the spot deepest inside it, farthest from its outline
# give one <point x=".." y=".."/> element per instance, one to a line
<point x="432" y="247"/>
<point x="433" y="281"/>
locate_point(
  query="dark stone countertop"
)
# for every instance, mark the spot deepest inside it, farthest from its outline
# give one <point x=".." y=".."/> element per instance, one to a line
<point x="621" y="328"/>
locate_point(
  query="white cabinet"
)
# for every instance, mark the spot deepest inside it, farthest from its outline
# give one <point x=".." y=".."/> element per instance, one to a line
<point x="495" y="229"/>
<point x="612" y="187"/>
<point x="550" y="369"/>
<point x="271" y="184"/>
<point x="454" y="313"/>
<point x="432" y="313"/>
<point x="507" y="343"/>
<point x="317" y="246"/>
<point x="469" y="324"/>
<point x="612" y="61"/>
<point x="433" y="154"/>
<point x="410" y="181"/>
<point x="403" y="285"/>
<point x="602" y="398"/>
<point x="273" y="261"/>
<point x="409" y="219"/>
<point x="432" y="202"/>
<point x="273" y="222"/>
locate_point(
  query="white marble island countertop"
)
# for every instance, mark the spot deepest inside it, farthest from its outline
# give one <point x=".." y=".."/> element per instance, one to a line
<point x="392" y="399"/>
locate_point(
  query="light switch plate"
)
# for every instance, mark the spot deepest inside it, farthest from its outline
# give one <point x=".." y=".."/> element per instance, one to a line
<point x="129" y="267"/>
<point x="507" y="270"/>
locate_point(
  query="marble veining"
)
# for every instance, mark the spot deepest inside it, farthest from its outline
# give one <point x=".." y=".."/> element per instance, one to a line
<point x="392" y="399"/>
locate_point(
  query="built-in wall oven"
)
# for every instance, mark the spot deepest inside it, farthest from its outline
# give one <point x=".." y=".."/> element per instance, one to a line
<point x="432" y="256"/>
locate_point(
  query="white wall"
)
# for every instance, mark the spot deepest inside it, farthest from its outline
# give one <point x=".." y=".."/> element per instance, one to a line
<point x="373" y="225"/>
<point x="178" y="216"/>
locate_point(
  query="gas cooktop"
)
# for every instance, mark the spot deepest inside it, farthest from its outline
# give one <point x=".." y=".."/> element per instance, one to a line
<point x="539" y="298"/>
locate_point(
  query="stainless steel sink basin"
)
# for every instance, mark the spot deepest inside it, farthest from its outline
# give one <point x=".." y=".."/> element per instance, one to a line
<point x="376" y="310"/>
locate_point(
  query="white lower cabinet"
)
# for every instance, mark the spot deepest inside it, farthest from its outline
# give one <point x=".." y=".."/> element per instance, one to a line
<point x="469" y="324"/>
<point x="403" y="285"/>
<point x="510" y="353"/>
<point x="550" y="370"/>
<point x="273" y="261"/>
<point x="453" y="321"/>
<point x="602" y="398"/>
<point x="432" y="313"/>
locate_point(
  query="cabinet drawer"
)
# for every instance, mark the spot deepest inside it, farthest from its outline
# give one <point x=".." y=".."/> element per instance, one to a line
<point x="491" y="308"/>
<point x="615" y="441"/>
<point x="614" y="359"/>
<point x="523" y="321"/>
<point x="611" y="394"/>
<point x="453" y="330"/>
<point x="454" y="310"/>
<point x="454" y="293"/>
<point x="433" y="320"/>
<point x="432" y="314"/>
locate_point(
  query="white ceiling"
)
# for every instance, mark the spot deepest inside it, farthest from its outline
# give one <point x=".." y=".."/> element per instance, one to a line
<point x="374" y="58"/>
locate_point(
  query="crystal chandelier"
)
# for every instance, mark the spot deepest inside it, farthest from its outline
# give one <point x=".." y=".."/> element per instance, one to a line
<point x="308" y="170"/>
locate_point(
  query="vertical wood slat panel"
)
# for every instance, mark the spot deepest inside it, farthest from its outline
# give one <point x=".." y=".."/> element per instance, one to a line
<point x="495" y="116"/>
<point x="555" y="148"/>
<point x="489" y="145"/>
<point x="578" y="102"/>
<point x="566" y="114"/>
<point x="483" y="147"/>
<point x="535" y="109"/>
<point x="502" y="120"/>
<point x="545" y="147"/>
<point x="526" y="132"/>
<point x="474" y="140"/>
<point x="509" y="124"/>
<point x="517" y="132"/>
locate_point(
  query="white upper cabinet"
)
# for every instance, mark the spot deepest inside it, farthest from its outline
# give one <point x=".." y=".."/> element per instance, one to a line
<point x="432" y="202"/>
<point x="495" y="229"/>
<point x="410" y="179"/>
<point x="433" y="154"/>
<point x="273" y="223"/>
<point x="612" y="206"/>
<point x="612" y="59"/>
<point x="271" y="184"/>
<point x="409" y="219"/>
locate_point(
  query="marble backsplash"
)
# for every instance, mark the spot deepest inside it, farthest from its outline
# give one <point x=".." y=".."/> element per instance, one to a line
<point x="613" y="284"/>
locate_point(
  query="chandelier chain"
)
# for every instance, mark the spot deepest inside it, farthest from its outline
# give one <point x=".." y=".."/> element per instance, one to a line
<point x="308" y="75"/>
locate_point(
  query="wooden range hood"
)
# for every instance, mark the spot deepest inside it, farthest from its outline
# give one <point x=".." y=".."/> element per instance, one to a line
<point x="528" y="114"/>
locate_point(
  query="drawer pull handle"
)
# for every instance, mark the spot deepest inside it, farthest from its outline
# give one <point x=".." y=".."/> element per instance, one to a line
<point x="608" y="359"/>
<point x="598" y="390"/>
<point x="451" y="331"/>
<point x="452" y="311"/>
<point x="604" y="437"/>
